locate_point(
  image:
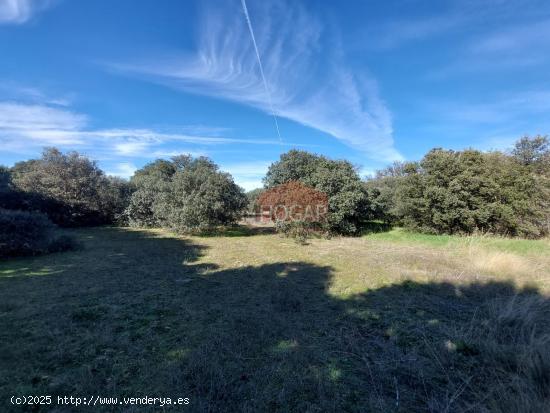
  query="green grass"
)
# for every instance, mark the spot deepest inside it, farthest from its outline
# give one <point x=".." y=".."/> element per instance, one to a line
<point x="240" y="321"/>
<point x="402" y="235"/>
<point x="514" y="245"/>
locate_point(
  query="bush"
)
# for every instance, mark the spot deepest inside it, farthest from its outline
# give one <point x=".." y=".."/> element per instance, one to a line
<point x="69" y="188"/>
<point x="301" y="231"/>
<point x="347" y="197"/>
<point x="5" y="179"/>
<point x="139" y="213"/>
<point x="114" y="196"/>
<point x="463" y="192"/>
<point x="294" y="201"/>
<point x="29" y="233"/>
<point x="252" y="198"/>
<point x="151" y="186"/>
<point x="185" y="195"/>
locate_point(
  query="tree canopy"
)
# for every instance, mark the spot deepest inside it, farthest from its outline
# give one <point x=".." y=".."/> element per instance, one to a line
<point x="70" y="188"/>
<point x="184" y="194"/>
<point x="294" y="201"/>
<point x="348" y="203"/>
<point x="468" y="191"/>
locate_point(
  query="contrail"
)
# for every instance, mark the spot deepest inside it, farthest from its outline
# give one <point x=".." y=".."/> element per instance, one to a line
<point x="245" y="9"/>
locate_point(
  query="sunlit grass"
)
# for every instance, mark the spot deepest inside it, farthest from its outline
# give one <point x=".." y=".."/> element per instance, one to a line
<point x="515" y="245"/>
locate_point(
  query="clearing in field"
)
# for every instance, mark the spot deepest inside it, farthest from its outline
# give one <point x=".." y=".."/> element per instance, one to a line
<point x="253" y="322"/>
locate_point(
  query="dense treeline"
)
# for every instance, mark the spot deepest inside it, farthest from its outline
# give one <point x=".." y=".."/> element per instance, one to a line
<point x="66" y="190"/>
<point x="462" y="192"/>
<point x="450" y="192"/>
<point x="69" y="188"/>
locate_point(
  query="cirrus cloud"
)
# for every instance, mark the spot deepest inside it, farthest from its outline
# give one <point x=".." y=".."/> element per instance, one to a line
<point x="20" y="11"/>
<point x="309" y="83"/>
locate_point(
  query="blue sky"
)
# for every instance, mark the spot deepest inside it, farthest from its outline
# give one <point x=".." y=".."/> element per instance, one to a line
<point x="127" y="81"/>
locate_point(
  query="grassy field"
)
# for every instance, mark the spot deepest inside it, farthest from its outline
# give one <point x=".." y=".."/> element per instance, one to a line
<point x="253" y="322"/>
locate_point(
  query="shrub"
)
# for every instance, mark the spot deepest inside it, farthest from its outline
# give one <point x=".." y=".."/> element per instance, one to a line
<point x="114" y="196"/>
<point x="294" y="201"/>
<point x="468" y="191"/>
<point x="5" y="179"/>
<point x="252" y="197"/>
<point x="139" y="212"/>
<point x="202" y="197"/>
<point x="33" y="202"/>
<point x="29" y="233"/>
<point x="151" y="185"/>
<point x="301" y="231"/>
<point x="347" y="197"/>
<point x="69" y="188"/>
<point x="184" y="195"/>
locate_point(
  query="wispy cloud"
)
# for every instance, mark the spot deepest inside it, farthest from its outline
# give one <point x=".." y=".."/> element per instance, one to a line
<point x="516" y="40"/>
<point x="505" y="109"/>
<point x="399" y="32"/>
<point x="20" y="11"/>
<point x="22" y="119"/>
<point x="468" y="17"/>
<point x="309" y="84"/>
<point x="25" y="128"/>
<point x="17" y="92"/>
<point x="495" y="122"/>
<point x="496" y="43"/>
<point x="481" y="37"/>
<point x="508" y="47"/>
<point x="366" y="172"/>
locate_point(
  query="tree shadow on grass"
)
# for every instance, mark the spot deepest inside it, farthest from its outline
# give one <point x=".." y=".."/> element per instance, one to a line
<point x="107" y="251"/>
<point x="239" y="230"/>
<point x="375" y="227"/>
<point x="149" y="320"/>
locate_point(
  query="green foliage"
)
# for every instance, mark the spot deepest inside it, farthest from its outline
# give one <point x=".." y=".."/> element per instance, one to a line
<point x="532" y="151"/>
<point x="29" y="233"/>
<point x="252" y="197"/>
<point x="185" y="195"/>
<point x="114" y="195"/>
<point x="468" y="191"/>
<point x="69" y="188"/>
<point x="152" y="183"/>
<point x="534" y="155"/>
<point x="383" y="191"/>
<point x="13" y="198"/>
<point x="139" y="212"/>
<point x="5" y="179"/>
<point x="301" y="231"/>
<point x="202" y="197"/>
<point x="348" y="202"/>
<point x="154" y="174"/>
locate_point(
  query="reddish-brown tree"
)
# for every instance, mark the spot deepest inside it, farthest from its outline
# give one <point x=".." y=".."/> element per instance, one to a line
<point x="293" y="201"/>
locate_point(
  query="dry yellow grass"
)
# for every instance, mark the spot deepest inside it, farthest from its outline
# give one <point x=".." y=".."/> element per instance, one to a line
<point x="361" y="264"/>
